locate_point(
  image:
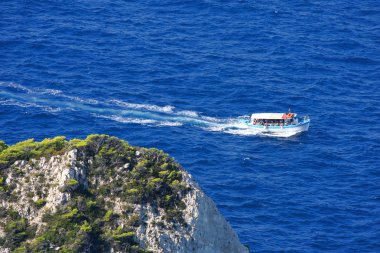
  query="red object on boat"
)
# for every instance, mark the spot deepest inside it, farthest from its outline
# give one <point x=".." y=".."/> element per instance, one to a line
<point x="288" y="115"/>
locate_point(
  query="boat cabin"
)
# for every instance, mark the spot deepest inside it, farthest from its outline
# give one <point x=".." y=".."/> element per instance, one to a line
<point x="274" y="119"/>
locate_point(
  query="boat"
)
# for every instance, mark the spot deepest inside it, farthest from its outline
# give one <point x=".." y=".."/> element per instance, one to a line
<point x="277" y="124"/>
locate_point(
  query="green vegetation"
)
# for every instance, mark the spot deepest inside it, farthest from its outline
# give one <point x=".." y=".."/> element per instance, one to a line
<point x="72" y="182"/>
<point x="86" y="227"/>
<point x="40" y="203"/>
<point x="17" y="231"/>
<point x="76" y="226"/>
<point x="2" y="184"/>
<point x="156" y="179"/>
<point x="3" y="146"/>
<point x="29" y="149"/>
<point x="108" y="215"/>
<point x="87" y="221"/>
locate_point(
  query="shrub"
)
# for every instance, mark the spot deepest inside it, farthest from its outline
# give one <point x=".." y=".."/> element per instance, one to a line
<point x="3" y="188"/>
<point x="108" y="215"/>
<point x="2" y="180"/>
<point x="72" y="182"/>
<point x="28" y="149"/>
<point x="19" y="151"/>
<point x="16" y="232"/>
<point x="90" y="204"/>
<point x="21" y="249"/>
<point x="72" y="214"/>
<point x="164" y="173"/>
<point x="3" y="146"/>
<point x="86" y="227"/>
<point x="123" y="236"/>
<point x="50" y="146"/>
<point x="40" y="203"/>
<point x="77" y="143"/>
<point x="133" y="191"/>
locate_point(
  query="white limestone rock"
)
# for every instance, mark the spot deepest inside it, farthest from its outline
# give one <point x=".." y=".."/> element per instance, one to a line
<point x="43" y="179"/>
<point x="206" y="231"/>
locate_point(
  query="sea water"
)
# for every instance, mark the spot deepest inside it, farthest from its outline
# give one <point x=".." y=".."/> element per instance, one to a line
<point x="176" y="75"/>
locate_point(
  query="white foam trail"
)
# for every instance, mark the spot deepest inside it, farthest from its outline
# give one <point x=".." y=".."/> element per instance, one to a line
<point x="138" y="120"/>
<point x="11" y="102"/>
<point x="148" y="107"/>
<point x="28" y="90"/>
<point x="53" y="92"/>
<point x="216" y="120"/>
<point x="125" y="112"/>
<point x="169" y="123"/>
<point x="125" y="119"/>
<point x="188" y="113"/>
<point x="82" y="100"/>
<point x="50" y="91"/>
<point x="242" y="132"/>
<point x="248" y="131"/>
<point x="168" y="109"/>
<point x="16" y="86"/>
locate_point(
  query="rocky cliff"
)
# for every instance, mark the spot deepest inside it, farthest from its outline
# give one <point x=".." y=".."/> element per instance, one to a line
<point x="103" y="195"/>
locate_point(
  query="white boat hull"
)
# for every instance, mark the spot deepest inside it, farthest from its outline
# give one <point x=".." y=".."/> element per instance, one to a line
<point x="280" y="131"/>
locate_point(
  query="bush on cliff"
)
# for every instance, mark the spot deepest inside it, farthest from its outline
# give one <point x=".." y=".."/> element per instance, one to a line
<point x="29" y="149"/>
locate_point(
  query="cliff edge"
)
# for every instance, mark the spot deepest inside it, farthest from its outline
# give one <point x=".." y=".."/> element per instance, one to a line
<point x="103" y="195"/>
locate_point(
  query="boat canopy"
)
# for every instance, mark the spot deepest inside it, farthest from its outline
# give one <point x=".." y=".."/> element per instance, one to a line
<point x="271" y="116"/>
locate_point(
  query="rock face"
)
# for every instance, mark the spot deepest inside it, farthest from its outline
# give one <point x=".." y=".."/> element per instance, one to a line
<point x="46" y="176"/>
<point x="207" y="231"/>
<point x="107" y="211"/>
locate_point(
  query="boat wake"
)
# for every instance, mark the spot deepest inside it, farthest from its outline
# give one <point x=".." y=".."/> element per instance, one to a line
<point x="124" y="112"/>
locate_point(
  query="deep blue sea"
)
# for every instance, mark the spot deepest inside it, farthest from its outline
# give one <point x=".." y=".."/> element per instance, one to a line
<point x="176" y="75"/>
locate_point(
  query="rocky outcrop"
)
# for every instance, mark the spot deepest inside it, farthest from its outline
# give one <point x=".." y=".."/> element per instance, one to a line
<point x="42" y="179"/>
<point x="207" y="230"/>
<point x="68" y="185"/>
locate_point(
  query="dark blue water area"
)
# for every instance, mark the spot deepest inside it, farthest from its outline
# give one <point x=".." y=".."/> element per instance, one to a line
<point x="176" y="75"/>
